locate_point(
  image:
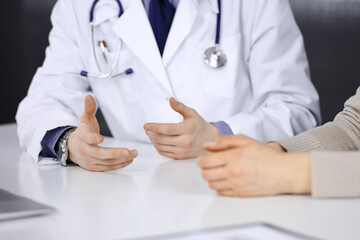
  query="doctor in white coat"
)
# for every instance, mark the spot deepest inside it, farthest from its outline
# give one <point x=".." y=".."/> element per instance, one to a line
<point x="263" y="91"/>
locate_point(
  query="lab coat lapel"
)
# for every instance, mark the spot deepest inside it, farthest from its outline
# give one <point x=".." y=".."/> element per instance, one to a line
<point x="214" y="5"/>
<point x="134" y="29"/>
<point x="183" y="22"/>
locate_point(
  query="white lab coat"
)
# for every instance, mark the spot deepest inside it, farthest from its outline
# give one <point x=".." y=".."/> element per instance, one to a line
<point x="264" y="91"/>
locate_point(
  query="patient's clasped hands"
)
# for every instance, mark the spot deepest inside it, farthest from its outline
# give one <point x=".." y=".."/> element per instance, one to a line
<point x="241" y="166"/>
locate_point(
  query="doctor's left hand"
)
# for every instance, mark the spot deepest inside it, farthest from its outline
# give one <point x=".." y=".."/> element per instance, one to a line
<point x="181" y="140"/>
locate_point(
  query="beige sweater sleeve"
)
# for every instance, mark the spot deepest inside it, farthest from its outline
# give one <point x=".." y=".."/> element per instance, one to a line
<point x="334" y="173"/>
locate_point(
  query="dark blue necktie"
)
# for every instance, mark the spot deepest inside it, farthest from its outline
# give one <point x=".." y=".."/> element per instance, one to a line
<point x="161" y="15"/>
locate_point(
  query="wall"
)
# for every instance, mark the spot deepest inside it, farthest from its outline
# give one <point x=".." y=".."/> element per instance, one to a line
<point x="12" y="89"/>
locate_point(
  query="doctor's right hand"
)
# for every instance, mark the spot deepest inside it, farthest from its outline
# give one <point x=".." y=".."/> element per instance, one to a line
<point x="84" y="148"/>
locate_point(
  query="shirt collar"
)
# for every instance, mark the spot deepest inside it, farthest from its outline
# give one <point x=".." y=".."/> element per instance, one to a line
<point x="175" y="3"/>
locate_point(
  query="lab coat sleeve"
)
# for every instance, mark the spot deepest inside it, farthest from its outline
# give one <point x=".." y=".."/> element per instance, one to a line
<point x="286" y="102"/>
<point x="56" y="95"/>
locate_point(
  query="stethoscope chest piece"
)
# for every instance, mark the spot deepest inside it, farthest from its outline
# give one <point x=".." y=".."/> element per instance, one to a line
<point x="215" y="57"/>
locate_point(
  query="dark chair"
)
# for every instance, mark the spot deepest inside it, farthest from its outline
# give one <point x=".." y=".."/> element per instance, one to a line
<point x="331" y="30"/>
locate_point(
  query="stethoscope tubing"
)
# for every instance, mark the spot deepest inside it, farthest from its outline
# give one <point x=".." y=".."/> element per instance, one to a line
<point x="92" y="9"/>
<point x="103" y="75"/>
<point x="218" y="25"/>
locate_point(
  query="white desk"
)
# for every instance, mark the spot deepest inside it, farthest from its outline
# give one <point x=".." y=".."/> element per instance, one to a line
<point x="153" y="196"/>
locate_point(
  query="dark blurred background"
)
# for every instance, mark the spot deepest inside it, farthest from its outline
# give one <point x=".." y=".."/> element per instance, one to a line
<point x="26" y="25"/>
<point x="331" y="30"/>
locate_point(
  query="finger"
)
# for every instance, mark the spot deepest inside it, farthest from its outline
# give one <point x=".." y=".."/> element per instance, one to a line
<point x="161" y="139"/>
<point x="177" y="153"/>
<point x="109" y="153"/>
<point x="181" y="108"/>
<point x="227" y="192"/>
<point x="227" y="142"/>
<point x="90" y="107"/>
<point x="214" y="174"/>
<point x="168" y="154"/>
<point x="91" y="138"/>
<point x="169" y="129"/>
<point x="174" y="156"/>
<point x="220" y="185"/>
<point x="104" y="168"/>
<point x="165" y="148"/>
<point x="134" y="153"/>
<point x="212" y="160"/>
<point x="111" y="162"/>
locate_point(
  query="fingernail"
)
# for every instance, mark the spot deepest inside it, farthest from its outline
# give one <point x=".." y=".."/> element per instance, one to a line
<point x="148" y="128"/>
<point x="210" y="144"/>
<point x="134" y="154"/>
<point x="169" y="98"/>
<point x="125" y="153"/>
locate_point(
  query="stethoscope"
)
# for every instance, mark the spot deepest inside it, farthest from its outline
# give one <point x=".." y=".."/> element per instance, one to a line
<point x="213" y="56"/>
<point x="103" y="48"/>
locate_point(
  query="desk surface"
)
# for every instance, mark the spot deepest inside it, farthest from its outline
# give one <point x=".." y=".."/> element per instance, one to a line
<point x="153" y="196"/>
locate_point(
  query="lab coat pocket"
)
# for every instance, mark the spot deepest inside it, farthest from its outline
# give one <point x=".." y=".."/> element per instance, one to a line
<point x="223" y="82"/>
<point x="127" y="85"/>
<point x="106" y="60"/>
<point x="119" y="92"/>
<point x="128" y="90"/>
<point x="123" y="89"/>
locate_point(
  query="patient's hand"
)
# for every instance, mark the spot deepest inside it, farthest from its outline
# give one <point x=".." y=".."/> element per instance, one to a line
<point x="276" y="146"/>
<point x="241" y="166"/>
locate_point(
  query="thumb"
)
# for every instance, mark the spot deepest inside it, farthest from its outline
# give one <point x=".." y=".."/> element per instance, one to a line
<point x="90" y="108"/>
<point x="181" y="108"/>
<point x="91" y="129"/>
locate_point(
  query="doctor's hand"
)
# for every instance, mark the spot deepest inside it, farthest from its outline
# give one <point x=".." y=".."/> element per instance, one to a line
<point x="181" y="140"/>
<point x="84" y="149"/>
<point x="240" y="166"/>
